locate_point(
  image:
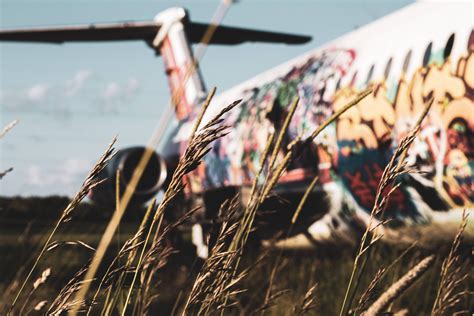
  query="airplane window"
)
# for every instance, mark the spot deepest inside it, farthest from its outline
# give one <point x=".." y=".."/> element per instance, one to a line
<point x="338" y="85"/>
<point x="449" y="46"/>
<point x="426" y="57"/>
<point x="370" y="74"/>
<point x="354" y="78"/>
<point x="388" y="67"/>
<point x="406" y="62"/>
<point x="470" y="42"/>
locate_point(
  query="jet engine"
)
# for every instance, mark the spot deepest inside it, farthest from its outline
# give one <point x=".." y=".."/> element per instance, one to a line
<point x="125" y="161"/>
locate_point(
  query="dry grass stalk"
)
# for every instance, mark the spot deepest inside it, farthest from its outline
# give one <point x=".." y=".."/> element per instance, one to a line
<point x="40" y="305"/>
<point x="295" y="145"/>
<point x="288" y="233"/>
<point x="153" y="260"/>
<point x="268" y="295"/>
<point x="89" y="183"/>
<point x="303" y="199"/>
<point x="111" y="228"/>
<point x="57" y="243"/>
<point x="273" y="174"/>
<point x="370" y="293"/>
<point x="259" y="194"/>
<point x="270" y="301"/>
<point x="4" y="172"/>
<point x="281" y="136"/>
<point x="41" y="280"/>
<point x="308" y="303"/>
<point x="402" y="312"/>
<point x="7" y="128"/>
<point x="156" y="136"/>
<point x="397" y="289"/>
<point x="205" y="106"/>
<point x="113" y="224"/>
<point x="150" y="262"/>
<point x="453" y="274"/>
<point x="224" y="280"/>
<point x="140" y="259"/>
<point x="114" y="277"/>
<point x="338" y="113"/>
<point x="197" y="148"/>
<point x="387" y="184"/>
<point x="144" y="297"/>
<point x="63" y="302"/>
<point x="216" y="269"/>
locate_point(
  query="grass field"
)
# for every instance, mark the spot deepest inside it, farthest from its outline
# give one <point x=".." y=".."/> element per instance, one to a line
<point x="61" y="256"/>
<point x="296" y="272"/>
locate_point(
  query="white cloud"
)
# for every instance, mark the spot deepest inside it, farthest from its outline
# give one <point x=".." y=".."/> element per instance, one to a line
<point x="75" y="166"/>
<point x="59" y="99"/>
<point x="115" y="94"/>
<point x="37" y="92"/>
<point x="77" y="82"/>
<point x="63" y="177"/>
<point x="34" y="175"/>
<point x="132" y="86"/>
<point x="112" y="90"/>
<point x="115" y="91"/>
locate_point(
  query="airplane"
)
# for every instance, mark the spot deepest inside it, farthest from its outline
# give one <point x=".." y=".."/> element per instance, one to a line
<point x="422" y="51"/>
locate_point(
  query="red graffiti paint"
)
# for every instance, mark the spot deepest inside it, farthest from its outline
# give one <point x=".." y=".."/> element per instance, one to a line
<point x="363" y="184"/>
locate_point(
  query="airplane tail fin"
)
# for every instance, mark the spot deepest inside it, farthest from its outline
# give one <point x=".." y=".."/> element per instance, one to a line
<point x="170" y="35"/>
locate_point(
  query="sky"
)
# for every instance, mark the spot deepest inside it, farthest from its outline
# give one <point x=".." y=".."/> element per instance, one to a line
<point x="71" y="100"/>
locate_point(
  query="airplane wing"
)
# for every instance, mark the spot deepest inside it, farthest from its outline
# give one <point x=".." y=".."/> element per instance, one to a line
<point x="226" y="35"/>
<point x="147" y="30"/>
<point x="83" y="33"/>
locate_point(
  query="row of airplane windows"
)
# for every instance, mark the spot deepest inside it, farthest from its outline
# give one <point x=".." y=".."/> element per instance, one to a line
<point x="426" y="59"/>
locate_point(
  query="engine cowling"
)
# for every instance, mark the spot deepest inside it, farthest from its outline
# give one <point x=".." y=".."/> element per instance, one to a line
<point x="125" y="161"/>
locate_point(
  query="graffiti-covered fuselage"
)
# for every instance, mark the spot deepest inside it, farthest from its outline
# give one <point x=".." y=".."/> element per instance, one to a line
<point x="422" y="51"/>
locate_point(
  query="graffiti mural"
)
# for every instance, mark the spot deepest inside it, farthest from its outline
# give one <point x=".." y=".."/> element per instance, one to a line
<point x="354" y="151"/>
<point x="445" y="148"/>
<point x="264" y="109"/>
<point x="444" y="151"/>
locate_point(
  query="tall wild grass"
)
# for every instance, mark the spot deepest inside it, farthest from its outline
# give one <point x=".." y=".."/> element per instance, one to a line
<point x="145" y="274"/>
